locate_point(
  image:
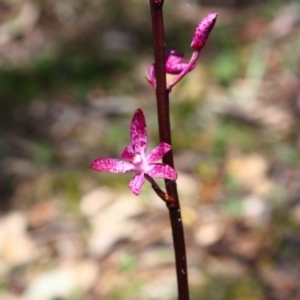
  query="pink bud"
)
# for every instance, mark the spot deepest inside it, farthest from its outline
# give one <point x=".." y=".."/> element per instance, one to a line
<point x="174" y="62"/>
<point x="203" y="30"/>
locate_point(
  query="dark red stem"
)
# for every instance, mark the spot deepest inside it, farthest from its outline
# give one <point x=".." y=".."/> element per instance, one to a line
<point x="162" y="98"/>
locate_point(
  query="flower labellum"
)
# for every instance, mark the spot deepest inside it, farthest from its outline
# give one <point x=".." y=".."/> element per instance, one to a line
<point x="137" y="160"/>
<point x="174" y="62"/>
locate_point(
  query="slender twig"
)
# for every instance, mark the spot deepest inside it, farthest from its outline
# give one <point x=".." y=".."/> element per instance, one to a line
<point x="162" y="97"/>
<point x="159" y="192"/>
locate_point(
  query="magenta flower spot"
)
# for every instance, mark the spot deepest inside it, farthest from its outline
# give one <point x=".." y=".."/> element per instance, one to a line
<point x="137" y="159"/>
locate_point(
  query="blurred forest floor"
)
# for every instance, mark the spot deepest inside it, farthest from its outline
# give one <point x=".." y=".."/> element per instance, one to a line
<point x="72" y="73"/>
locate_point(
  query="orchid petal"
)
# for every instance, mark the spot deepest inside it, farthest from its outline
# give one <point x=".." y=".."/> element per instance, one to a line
<point x="136" y="154"/>
<point x="158" y="152"/>
<point x="136" y="183"/>
<point x="162" y="171"/>
<point x="176" y="69"/>
<point x="151" y="75"/>
<point x="128" y="153"/>
<point x="174" y="62"/>
<point x="112" y="165"/>
<point x="138" y="132"/>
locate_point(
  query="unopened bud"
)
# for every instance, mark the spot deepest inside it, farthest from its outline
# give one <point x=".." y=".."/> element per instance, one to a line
<point x="203" y="30"/>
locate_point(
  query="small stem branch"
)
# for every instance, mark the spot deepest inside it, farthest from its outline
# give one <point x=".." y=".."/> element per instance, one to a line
<point x="159" y="192"/>
<point x="162" y="97"/>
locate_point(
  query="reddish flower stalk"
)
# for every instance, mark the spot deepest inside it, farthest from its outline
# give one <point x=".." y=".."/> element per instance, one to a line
<point x="162" y="100"/>
<point x="173" y="63"/>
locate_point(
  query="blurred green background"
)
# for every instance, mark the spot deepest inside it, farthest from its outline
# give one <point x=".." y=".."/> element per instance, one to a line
<point x="72" y="73"/>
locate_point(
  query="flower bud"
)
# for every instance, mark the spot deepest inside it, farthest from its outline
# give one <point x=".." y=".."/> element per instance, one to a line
<point x="203" y="30"/>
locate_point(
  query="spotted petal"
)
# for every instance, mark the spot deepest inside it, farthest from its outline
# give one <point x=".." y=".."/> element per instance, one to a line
<point x="128" y="153"/>
<point x="136" y="183"/>
<point x="162" y="171"/>
<point x="158" y="152"/>
<point x="112" y="165"/>
<point x="138" y="132"/>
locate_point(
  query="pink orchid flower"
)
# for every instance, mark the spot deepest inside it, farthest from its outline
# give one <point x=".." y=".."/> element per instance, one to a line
<point x="174" y="61"/>
<point x="137" y="159"/>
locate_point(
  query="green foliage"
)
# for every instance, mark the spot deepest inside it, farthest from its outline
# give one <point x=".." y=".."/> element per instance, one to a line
<point x="43" y="154"/>
<point x="225" y="67"/>
<point x="116" y="135"/>
<point x="288" y="154"/>
<point x="128" y="263"/>
<point x="218" y="288"/>
<point x="233" y="207"/>
<point x="66" y="185"/>
<point x="230" y="133"/>
<point x="126" y="292"/>
<point x="71" y="71"/>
